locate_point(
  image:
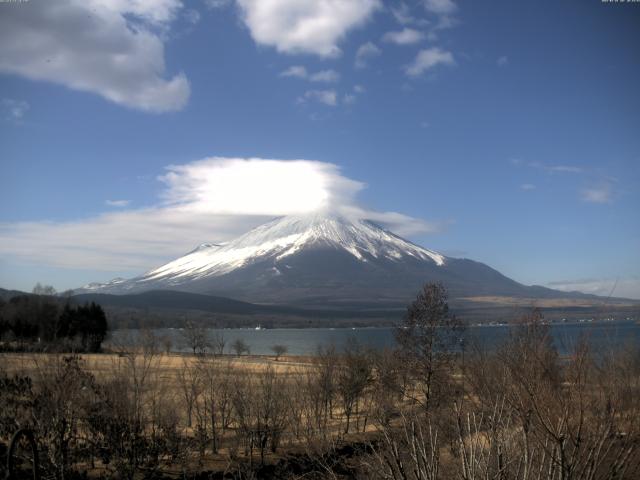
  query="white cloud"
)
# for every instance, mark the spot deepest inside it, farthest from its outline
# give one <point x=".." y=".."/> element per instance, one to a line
<point x="114" y="48"/>
<point x="427" y="59"/>
<point x="622" y="287"/>
<point x="550" y="168"/>
<point x="212" y="4"/>
<point x="502" y="61"/>
<point x="118" y="241"/>
<point x="14" y="110"/>
<point x="527" y="187"/>
<point x="444" y="11"/>
<point x="564" y="168"/>
<point x="406" y="36"/>
<point x="601" y="190"/>
<point x="305" y="26"/>
<point x="214" y="199"/>
<point x="556" y="168"/>
<point x="117" y="203"/>
<point x="602" y="193"/>
<point x="298" y="71"/>
<point x="192" y="16"/>
<point x="365" y="52"/>
<point x="349" y="99"/>
<point x="402" y="14"/>
<point x="327" y="76"/>
<point x="440" y="7"/>
<point x="327" y="97"/>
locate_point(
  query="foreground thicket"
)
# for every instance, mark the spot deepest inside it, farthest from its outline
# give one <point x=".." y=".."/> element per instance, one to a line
<point x="435" y="408"/>
<point x="522" y="412"/>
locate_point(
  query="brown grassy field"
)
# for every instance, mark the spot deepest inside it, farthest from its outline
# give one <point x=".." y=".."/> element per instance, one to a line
<point x="169" y="365"/>
<point x="547" y="302"/>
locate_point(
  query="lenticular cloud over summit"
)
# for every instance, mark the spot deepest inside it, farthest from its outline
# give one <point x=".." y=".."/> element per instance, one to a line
<point x="257" y="186"/>
<point x="210" y="200"/>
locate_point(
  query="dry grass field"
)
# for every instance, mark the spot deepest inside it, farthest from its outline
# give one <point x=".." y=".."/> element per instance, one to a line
<point x="168" y="365"/>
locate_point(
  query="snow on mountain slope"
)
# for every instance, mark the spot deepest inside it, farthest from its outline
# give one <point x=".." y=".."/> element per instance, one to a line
<point x="93" y="286"/>
<point x="274" y="242"/>
<point x="286" y="236"/>
<point x="321" y="261"/>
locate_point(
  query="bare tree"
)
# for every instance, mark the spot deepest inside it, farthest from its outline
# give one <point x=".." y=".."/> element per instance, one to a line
<point x="44" y="290"/>
<point x="390" y="376"/>
<point x="428" y="340"/>
<point x="62" y="398"/>
<point x="354" y="375"/>
<point x="531" y="415"/>
<point x="195" y="337"/>
<point x="167" y="343"/>
<point x="215" y="395"/>
<point x="240" y="346"/>
<point x="218" y="343"/>
<point x="409" y="452"/>
<point x="325" y="389"/>
<point x="261" y="409"/>
<point x="189" y="382"/>
<point x="279" y="350"/>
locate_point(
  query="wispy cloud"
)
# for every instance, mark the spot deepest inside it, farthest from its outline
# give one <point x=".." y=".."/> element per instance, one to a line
<point x="548" y="167"/>
<point x="564" y="168"/>
<point x="427" y="59"/>
<point x="627" y="287"/>
<point x="315" y="27"/>
<point x="326" y="97"/>
<point x="214" y="199"/>
<point x="406" y="36"/>
<point x="602" y="193"/>
<point x="117" y="203"/>
<point x="365" y="53"/>
<point x="213" y="4"/>
<point x="402" y="14"/>
<point x="502" y="61"/>
<point x="299" y="71"/>
<point x="113" y="49"/>
<point x="556" y="168"/>
<point x="14" y="110"/>
<point x="349" y="99"/>
<point x="327" y="76"/>
<point x="600" y="188"/>
<point x="192" y="16"/>
<point x="527" y="187"/>
<point x="444" y="11"/>
<point x="440" y="7"/>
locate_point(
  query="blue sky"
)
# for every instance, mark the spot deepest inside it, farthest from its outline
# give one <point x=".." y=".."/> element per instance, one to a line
<point x="506" y="132"/>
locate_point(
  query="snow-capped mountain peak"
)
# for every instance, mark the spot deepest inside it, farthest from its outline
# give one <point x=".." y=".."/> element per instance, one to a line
<point x="274" y="244"/>
<point x="286" y="236"/>
<point x="320" y="260"/>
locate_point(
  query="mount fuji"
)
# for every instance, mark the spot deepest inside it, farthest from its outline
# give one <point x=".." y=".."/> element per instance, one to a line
<point x="322" y="261"/>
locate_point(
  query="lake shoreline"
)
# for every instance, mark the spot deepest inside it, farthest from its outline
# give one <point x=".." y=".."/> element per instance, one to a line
<point x="305" y="341"/>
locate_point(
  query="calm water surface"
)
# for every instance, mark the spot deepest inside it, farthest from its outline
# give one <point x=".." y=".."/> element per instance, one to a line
<point x="304" y="341"/>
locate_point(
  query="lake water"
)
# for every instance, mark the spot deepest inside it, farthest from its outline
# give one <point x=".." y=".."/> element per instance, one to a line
<point x="305" y="341"/>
